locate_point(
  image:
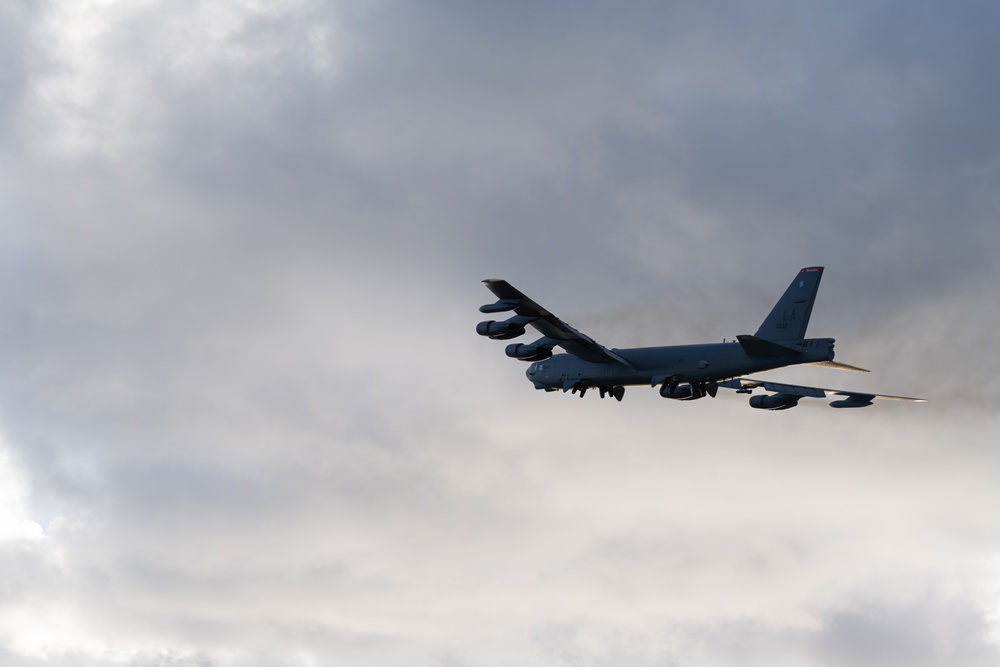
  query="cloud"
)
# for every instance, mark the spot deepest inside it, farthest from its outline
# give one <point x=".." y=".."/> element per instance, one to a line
<point x="248" y="420"/>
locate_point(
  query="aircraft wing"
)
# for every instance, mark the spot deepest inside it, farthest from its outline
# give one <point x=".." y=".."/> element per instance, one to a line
<point x="551" y="326"/>
<point x="852" y="399"/>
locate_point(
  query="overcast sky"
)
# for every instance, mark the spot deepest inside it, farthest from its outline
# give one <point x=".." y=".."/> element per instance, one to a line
<point x="245" y="418"/>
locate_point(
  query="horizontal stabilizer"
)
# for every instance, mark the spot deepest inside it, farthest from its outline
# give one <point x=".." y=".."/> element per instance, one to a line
<point x="840" y="366"/>
<point x="760" y="347"/>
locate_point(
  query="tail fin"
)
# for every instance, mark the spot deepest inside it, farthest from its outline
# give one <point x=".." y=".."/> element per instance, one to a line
<point x="790" y="316"/>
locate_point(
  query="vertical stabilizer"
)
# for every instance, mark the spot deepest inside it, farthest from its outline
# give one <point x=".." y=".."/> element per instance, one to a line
<point x="790" y="316"/>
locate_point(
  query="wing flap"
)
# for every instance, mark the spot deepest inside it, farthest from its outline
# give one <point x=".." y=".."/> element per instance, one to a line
<point x="761" y="347"/>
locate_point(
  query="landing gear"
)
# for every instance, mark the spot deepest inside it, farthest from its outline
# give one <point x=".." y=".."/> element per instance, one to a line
<point x="712" y="388"/>
<point x="702" y="389"/>
<point x="672" y="388"/>
<point x="615" y="391"/>
<point x="669" y="389"/>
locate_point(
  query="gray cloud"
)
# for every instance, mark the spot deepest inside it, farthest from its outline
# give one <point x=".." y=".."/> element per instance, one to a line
<point x="247" y="420"/>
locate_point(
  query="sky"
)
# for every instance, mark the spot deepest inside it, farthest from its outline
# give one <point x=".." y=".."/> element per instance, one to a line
<point x="245" y="418"/>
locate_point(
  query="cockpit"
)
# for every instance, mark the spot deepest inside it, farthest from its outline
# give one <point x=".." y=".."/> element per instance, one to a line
<point x="536" y="372"/>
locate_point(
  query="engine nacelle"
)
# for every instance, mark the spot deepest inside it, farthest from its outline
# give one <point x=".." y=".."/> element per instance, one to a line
<point x="681" y="392"/>
<point x="500" y="306"/>
<point x="774" y="401"/>
<point x="527" y="352"/>
<point x="853" y="401"/>
<point x="509" y="328"/>
<point x="500" y="330"/>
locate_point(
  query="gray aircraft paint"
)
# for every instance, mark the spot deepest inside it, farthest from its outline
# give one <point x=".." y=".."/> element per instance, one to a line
<point x="790" y="316"/>
<point x="683" y="371"/>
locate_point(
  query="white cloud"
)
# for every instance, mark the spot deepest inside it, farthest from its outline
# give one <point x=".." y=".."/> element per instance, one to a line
<point x="113" y="67"/>
<point x="14" y="522"/>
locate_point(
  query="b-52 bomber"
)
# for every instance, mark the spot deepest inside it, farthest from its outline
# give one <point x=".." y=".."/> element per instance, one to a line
<point x="683" y="372"/>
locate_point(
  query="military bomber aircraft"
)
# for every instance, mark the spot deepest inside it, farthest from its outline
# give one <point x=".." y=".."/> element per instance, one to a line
<point x="683" y="372"/>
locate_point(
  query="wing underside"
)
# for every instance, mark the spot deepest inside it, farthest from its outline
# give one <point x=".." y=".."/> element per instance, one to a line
<point x="550" y="326"/>
<point x="851" y="398"/>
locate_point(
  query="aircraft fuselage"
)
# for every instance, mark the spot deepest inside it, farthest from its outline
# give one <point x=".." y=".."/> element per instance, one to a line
<point x="690" y="364"/>
<point x="683" y="372"/>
